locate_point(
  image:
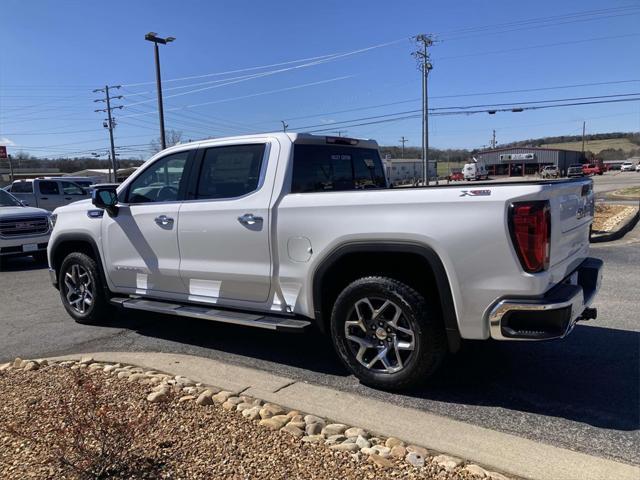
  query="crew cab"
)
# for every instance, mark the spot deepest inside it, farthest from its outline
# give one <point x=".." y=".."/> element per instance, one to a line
<point x="23" y="230"/>
<point x="288" y="231"/>
<point x="47" y="193"/>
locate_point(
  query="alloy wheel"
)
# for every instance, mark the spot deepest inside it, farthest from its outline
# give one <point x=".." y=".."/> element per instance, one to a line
<point x="379" y="335"/>
<point x="79" y="288"/>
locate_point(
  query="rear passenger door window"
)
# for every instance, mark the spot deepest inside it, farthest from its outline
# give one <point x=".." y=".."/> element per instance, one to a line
<point x="321" y="168"/>
<point x="230" y="172"/>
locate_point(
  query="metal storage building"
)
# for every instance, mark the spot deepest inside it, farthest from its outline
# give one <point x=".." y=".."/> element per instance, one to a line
<point x="517" y="161"/>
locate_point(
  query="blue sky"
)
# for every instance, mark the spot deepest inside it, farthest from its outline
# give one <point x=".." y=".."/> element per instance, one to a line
<point x="53" y="54"/>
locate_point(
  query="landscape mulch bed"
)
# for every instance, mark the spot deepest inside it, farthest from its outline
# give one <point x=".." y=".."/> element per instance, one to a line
<point x="58" y="423"/>
<point x="608" y="217"/>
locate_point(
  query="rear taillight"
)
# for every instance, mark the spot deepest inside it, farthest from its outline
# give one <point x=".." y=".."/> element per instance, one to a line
<point x="530" y="228"/>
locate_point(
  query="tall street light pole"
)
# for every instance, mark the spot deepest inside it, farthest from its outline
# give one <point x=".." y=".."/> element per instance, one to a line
<point x="153" y="37"/>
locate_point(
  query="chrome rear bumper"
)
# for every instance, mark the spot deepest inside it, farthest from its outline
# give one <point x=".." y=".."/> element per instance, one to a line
<point x="552" y="315"/>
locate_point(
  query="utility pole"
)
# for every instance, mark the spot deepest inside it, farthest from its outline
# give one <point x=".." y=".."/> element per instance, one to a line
<point x="583" y="127"/>
<point x="402" y="141"/>
<point x="11" y="175"/>
<point x="153" y="37"/>
<point x="424" y="64"/>
<point x="493" y="140"/>
<point x="110" y="124"/>
<point x="340" y="132"/>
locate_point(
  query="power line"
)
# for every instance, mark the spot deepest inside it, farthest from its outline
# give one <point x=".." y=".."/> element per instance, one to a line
<point x="470" y="112"/>
<point x="326" y="57"/>
<point x="466" y="107"/>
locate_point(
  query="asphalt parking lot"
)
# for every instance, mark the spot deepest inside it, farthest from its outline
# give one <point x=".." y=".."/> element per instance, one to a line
<point x="581" y="393"/>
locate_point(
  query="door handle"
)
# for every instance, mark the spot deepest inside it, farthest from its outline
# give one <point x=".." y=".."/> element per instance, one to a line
<point x="44" y="198"/>
<point x="249" y="219"/>
<point x="164" y="221"/>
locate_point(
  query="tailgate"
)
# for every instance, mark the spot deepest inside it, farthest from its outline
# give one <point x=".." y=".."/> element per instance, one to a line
<point x="572" y="209"/>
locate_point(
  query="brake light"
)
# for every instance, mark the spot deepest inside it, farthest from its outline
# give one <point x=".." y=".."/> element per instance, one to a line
<point x="530" y="228"/>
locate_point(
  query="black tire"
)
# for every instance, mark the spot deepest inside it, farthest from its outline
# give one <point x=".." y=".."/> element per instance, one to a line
<point x="429" y="339"/>
<point x="99" y="310"/>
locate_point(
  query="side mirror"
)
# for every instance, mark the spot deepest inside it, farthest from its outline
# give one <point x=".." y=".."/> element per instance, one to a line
<point x="24" y="203"/>
<point x="105" y="197"/>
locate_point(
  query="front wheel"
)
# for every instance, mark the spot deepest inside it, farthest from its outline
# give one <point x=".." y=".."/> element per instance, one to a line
<point x="387" y="334"/>
<point x="81" y="289"/>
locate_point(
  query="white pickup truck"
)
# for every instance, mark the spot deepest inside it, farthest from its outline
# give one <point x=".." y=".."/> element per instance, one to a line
<point x="47" y="193"/>
<point x="287" y="231"/>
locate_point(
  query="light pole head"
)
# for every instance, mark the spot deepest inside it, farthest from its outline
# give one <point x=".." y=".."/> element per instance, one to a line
<point x="153" y="37"/>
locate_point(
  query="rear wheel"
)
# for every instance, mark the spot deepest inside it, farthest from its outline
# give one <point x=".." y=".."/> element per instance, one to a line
<point x="387" y="334"/>
<point x="81" y="289"/>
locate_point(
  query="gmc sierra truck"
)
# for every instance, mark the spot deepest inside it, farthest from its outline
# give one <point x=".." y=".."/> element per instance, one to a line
<point x="23" y="230"/>
<point x="287" y="231"/>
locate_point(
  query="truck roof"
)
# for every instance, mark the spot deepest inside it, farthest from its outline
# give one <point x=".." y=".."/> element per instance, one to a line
<point x="293" y="137"/>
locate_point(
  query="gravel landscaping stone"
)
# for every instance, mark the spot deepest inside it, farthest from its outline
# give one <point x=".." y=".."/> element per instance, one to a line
<point x="313" y="429"/>
<point x="205" y="398"/>
<point x="362" y="442"/>
<point x="179" y="439"/>
<point x="345" y="447"/>
<point x="398" y="451"/>
<point x="334" y="429"/>
<point x="293" y="430"/>
<point x="475" y="470"/>
<point x="447" y="462"/>
<point x="356" y="432"/>
<point x="313" y="438"/>
<point x="380" y="461"/>
<point x="393" y="441"/>
<point x="251" y="413"/>
<point x="415" y="459"/>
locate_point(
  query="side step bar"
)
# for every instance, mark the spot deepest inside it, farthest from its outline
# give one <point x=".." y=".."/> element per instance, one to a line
<point x="269" y="322"/>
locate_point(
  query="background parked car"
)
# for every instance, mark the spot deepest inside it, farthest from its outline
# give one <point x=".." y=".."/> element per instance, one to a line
<point x="550" y="171"/>
<point x="626" y="167"/>
<point x="47" y="193"/>
<point x="23" y="230"/>
<point x="575" y="170"/>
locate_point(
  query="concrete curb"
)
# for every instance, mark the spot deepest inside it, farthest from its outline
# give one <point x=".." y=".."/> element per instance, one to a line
<point x="508" y="453"/>
<point x="619" y="233"/>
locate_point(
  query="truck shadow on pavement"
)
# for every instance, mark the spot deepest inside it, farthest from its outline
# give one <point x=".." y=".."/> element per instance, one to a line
<point x="592" y="376"/>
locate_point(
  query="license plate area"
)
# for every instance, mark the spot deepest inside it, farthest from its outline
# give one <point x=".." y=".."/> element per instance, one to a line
<point x="30" y="247"/>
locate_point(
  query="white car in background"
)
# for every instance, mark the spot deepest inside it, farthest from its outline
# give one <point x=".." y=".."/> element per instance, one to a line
<point x="626" y="167"/>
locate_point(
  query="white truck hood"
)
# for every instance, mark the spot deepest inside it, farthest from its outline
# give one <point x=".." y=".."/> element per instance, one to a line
<point x="21" y="212"/>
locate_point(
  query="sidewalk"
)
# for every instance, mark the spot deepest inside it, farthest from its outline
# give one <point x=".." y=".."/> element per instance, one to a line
<point x="509" y="453"/>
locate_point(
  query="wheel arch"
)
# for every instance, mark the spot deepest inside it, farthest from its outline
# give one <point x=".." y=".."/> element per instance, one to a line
<point x="66" y="243"/>
<point x="348" y="262"/>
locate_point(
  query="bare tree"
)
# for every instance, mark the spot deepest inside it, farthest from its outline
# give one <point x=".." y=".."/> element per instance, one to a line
<point x="172" y="137"/>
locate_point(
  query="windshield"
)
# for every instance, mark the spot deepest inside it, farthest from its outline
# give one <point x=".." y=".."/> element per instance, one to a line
<point x="8" y="200"/>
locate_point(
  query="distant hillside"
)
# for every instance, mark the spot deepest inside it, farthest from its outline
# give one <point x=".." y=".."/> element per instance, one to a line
<point x="609" y="146"/>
